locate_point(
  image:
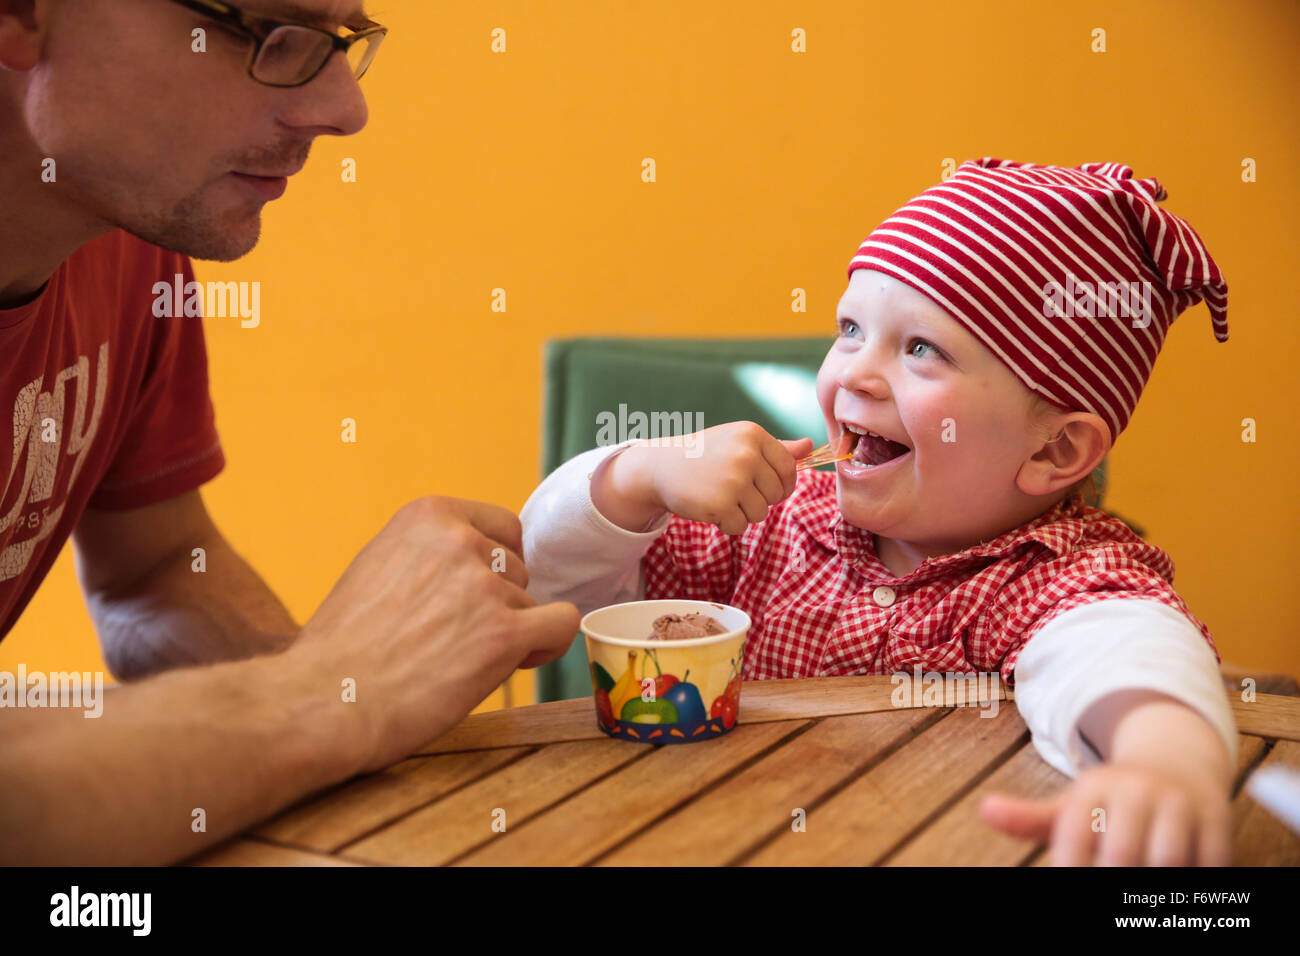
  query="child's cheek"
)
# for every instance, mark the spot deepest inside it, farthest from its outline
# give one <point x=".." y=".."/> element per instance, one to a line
<point x="935" y="425"/>
<point x="826" y="387"/>
<point x="953" y="437"/>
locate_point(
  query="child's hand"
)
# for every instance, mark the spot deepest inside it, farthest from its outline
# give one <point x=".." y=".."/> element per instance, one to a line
<point x="728" y="475"/>
<point x="1153" y="817"/>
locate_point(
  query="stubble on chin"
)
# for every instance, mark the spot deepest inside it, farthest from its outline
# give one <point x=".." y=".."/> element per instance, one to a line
<point x="192" y="228"/>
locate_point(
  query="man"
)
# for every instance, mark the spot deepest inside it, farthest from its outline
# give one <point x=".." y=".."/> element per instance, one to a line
<point x="122" y="152"/>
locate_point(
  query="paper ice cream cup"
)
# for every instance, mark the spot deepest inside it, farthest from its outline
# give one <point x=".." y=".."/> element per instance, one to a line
<point x="664" y="692"/>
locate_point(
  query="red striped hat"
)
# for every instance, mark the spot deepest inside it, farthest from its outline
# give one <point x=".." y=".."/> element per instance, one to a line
<point x="1071" y="276"/>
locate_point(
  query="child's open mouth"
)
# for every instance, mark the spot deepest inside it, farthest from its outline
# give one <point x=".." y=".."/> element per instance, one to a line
<point x="871" y="449"/>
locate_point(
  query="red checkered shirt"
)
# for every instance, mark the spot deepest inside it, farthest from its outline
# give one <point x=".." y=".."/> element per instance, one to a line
<point x="823" y="604"/>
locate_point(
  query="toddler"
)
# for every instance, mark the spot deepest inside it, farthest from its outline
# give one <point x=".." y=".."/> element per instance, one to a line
<point x="992" y="343"/>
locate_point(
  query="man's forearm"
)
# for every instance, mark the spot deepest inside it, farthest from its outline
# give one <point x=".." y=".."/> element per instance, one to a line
<point x="180" y="616"/>
<point x="237" y="741"/>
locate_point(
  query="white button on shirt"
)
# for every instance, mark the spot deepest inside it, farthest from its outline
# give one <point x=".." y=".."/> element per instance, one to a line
<point x="884" y="595"/>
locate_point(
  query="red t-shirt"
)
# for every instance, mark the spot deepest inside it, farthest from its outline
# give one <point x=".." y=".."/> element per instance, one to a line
<point x="110" y="405"/>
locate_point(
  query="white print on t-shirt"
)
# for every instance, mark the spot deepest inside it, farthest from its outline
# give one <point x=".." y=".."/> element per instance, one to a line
<point x="39" y="438"/>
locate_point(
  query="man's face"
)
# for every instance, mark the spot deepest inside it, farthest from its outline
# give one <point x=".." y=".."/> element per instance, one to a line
<point x="904" y="369"/>
<point x="150" y="136"/>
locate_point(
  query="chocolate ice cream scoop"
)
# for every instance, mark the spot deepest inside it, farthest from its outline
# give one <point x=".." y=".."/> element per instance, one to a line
<point x="682" y="627"/>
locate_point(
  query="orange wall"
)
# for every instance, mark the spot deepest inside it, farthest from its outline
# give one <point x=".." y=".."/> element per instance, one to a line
<point x="522" y="171"/>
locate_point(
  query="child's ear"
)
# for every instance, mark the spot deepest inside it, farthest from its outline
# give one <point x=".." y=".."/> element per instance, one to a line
<point x="20" y="35"/>
<point x="1080" y="443"/>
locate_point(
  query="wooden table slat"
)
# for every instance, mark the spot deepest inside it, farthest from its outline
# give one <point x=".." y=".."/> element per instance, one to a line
<point x="442" y="831"/>
<point x="367" y="803"/>
<point x="868" y="818"/>
<point x="1258" y="837"/>
<point x="245" y="852"/>
<point x="548" y="723"/>
<point x="760" y="702"/>
<point x="596" y="819"/>
<point x="709" y="831"/>
<point x="958" y="837"/>
<point x="768" y="700"/>
<point x="1268" y="715"/>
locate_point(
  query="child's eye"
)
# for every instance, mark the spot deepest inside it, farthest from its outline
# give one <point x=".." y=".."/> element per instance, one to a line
<point x="848" y="328"/>
<point x="922" y="344"/>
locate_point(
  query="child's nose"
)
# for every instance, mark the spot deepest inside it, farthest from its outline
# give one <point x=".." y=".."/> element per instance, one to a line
<point x="864" y="373"/>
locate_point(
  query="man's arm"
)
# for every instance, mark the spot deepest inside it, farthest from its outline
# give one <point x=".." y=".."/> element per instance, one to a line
<point x="422" y="626"/>
<point x="236" y="741"/>
<point x="153" y="609"/>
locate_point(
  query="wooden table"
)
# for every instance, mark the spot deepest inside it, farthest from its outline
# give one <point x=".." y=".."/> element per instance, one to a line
<point x="875" y="783"/>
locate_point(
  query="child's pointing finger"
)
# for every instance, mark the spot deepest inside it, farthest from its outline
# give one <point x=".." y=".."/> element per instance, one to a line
<point x="1017" y="817"/>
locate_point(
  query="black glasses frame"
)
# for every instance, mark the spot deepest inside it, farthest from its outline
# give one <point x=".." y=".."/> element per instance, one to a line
<point x="259" y="29"/>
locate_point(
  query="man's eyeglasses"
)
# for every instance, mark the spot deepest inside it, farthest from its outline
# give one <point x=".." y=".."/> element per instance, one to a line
<point x="286" y="53"/>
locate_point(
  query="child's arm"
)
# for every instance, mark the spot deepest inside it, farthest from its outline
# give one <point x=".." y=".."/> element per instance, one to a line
<point x="1138" y="726"/>
<point x="588" y="525"/>
<point x="1134" y="681"/>
<point x="728" y="475"/>
<point x="1164" y="791"/>
<point x="574" y="553"/>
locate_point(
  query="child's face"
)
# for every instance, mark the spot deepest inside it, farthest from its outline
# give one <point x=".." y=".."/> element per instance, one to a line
<point x="904" y="369"/>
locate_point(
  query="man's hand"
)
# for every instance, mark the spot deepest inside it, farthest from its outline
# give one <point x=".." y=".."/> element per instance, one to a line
<point x="429" y="618"/>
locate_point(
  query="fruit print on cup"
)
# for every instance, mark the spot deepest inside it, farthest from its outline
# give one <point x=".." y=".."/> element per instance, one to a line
<point x="655" y="691"/>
